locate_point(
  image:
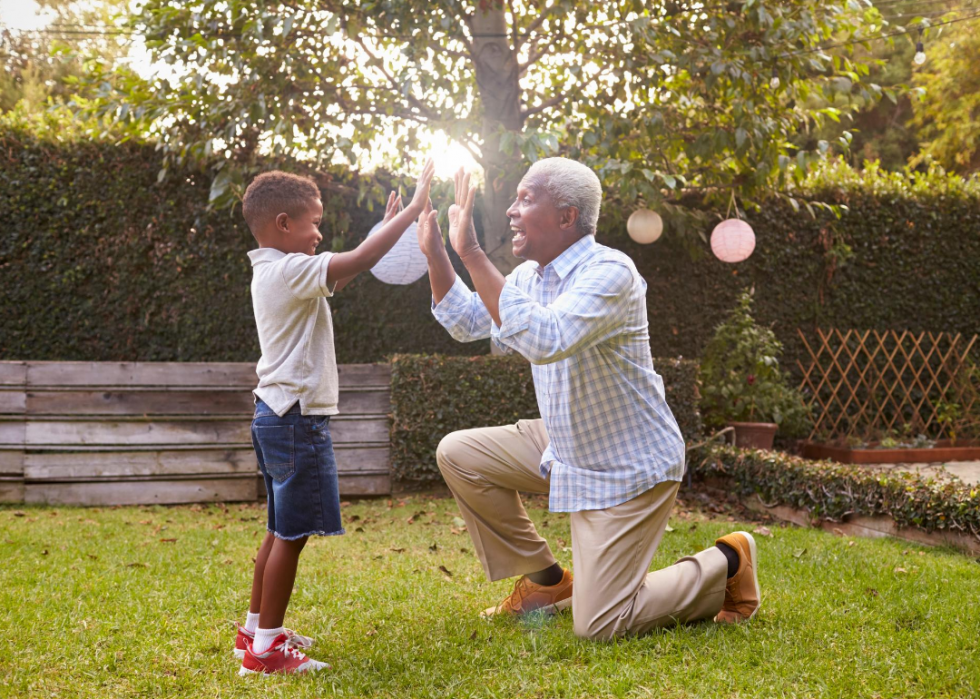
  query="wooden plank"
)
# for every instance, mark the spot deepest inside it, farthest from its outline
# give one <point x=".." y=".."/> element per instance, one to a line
<point x="197" y="374"/>
<point x="157" y="492"/>
<point x="141" y="374"/>
<point x="13" y="373"/>
<point x="365" y="485"/>
<point x="179" y="402"/>
<point x="166" y="432"/>
<point x="12" y="462"/>
<point x="11" y="490"/>
<point x="364" y="374"/>
<point x="13" y="402"/>
<point x="12" y="433"/>
<point x="122" y="465"/>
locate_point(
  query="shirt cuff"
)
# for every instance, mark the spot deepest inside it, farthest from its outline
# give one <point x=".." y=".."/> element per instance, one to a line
<point x="515" y="312"/>
<point x="453" y="305"/>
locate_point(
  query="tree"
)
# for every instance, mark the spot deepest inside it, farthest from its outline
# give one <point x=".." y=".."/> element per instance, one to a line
<point x="38" y="68"/>
<point x="948" y="108"/>
<point x="660" y="98"/>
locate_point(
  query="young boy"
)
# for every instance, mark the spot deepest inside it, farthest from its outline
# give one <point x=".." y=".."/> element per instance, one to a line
<point x="297" y="392"/>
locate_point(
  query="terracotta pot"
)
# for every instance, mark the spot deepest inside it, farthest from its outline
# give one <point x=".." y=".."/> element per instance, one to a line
<point x="754" y="435"/>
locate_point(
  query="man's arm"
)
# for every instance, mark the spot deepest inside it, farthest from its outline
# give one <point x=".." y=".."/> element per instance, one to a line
<point x="594" y="309"/>
<point x="347" y="265"/>
<point x="487" y="279"/>
<point x="456" y="308"/>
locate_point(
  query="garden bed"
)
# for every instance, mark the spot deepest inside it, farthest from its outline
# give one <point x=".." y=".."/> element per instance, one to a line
<point x="943" y="451"/>
<point x="853" y="499"/>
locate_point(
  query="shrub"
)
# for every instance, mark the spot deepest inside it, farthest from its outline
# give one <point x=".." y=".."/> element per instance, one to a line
<point x="433" y="395"/>
<point x="741" y="380"/>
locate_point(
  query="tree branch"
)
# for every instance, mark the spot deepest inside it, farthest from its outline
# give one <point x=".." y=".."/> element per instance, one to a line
<point x="391" y="79"/>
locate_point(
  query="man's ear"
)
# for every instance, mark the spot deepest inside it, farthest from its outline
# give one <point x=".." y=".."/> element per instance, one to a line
<point x="569" y="217"/>
<point x="282" y="223"/>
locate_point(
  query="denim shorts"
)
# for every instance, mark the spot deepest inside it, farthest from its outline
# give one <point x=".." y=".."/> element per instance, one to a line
<point x="296" y="458"/>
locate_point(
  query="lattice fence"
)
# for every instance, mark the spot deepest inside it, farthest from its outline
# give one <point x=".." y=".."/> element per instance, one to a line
<point x="869" y="384"/>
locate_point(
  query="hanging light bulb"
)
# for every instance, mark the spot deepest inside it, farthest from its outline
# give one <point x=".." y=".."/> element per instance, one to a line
<point x="774" y="83"/>
<point x="920" y="51"/>
<point x="920" y="54"/>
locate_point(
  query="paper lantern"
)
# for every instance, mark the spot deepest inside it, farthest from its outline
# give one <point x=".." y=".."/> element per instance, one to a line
<point x="645" y="226"/>
<point x="405" y="262"/>
<point x="732" y="240"/>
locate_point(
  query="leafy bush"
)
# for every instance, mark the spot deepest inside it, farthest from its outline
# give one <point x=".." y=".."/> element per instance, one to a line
<point x="833" y="491"/>
<point x="433" y="395"/>
<point x="741" y="380"/>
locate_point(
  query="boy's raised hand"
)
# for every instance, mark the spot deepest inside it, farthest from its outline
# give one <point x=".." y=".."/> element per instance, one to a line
<point x="462" y="234"/>
<point x="421" y="197"/>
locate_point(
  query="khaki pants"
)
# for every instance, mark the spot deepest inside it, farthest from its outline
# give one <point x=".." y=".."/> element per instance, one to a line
<point x="611" y="549"/>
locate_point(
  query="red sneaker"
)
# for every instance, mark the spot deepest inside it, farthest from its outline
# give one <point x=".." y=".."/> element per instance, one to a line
<point x="281" y="657"/>
<point x="244" y="637"/>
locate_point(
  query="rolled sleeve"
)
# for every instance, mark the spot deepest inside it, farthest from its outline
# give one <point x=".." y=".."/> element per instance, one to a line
<point x="515" y="308"/>
<point x="593" y="310"/>
<point x="463" y="314"/>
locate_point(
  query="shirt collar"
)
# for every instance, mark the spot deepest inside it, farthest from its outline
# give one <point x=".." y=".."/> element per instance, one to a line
<point x="570" y="257"/>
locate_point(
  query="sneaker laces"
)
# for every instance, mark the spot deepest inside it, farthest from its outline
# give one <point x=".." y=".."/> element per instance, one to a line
<point x="516" y="599"/>
<point x="296" y="640"/>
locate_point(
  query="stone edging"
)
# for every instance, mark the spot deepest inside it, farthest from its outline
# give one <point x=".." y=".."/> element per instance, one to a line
<point x="857" y="525"/>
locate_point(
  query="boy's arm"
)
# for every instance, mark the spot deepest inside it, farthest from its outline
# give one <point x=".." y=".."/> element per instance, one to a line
<point x="392" y="208"/>
<point x="346" y="265"/>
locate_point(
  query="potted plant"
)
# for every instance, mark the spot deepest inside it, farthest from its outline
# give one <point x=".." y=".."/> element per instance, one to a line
<point x="742" y="384"/>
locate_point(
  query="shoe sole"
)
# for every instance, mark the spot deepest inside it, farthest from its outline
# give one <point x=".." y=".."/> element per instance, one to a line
<point x="549" y="609"/>
<point x="755" y="571"/>
<point x="240" y="654"/>
<point x="245" y="672"/>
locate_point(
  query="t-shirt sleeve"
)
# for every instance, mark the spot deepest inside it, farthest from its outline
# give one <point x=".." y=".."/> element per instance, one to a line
<point x="306" y="275"/>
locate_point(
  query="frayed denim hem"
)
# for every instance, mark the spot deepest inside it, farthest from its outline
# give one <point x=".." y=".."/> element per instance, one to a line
<point x="339" y="532"/>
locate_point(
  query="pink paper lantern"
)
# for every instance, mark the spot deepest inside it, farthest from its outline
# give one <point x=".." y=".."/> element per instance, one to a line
<point x="732" y="240"/>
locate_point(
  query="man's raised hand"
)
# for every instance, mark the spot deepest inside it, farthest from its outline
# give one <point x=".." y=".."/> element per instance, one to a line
<point x="430" y="236"/>
<point x="462" y="234"/>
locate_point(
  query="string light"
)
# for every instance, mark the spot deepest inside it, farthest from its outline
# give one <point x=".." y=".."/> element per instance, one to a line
<point x="920" y="51"/>
<point x="774" y="82"/>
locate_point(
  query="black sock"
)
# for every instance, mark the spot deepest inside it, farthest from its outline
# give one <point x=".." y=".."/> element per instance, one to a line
<point x="552" y="575"/>
<point x="732" y="556"/>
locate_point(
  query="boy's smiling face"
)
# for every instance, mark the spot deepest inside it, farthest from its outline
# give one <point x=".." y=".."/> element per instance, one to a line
<point x="300" y="233"/>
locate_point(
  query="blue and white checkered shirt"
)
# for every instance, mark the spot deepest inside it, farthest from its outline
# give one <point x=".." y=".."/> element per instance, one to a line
<point x="582" y="323"/>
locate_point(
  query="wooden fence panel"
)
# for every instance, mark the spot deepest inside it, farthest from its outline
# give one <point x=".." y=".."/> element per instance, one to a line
<point x="112" y="433"/>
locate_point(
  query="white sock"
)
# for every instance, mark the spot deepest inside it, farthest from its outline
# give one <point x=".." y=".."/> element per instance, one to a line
<point x="251" y="622"/>
<point x="264" y="638"/>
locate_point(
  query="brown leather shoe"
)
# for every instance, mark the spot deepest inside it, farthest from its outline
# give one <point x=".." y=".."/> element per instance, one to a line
<point x="529" y="597"/>
<point x="742" y="596"/>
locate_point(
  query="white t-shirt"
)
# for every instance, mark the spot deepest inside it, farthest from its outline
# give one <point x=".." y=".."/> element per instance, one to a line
<point x="295" y="331"/>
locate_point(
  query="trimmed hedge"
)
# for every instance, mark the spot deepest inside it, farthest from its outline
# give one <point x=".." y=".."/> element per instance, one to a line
<point x="833" y="491"/>
<point x="100" y="262"/>
<point x="432" y="396"/>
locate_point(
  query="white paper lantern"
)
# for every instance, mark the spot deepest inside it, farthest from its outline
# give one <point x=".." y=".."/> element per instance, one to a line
<point x="405" y="262"/>
<point x="732" y="240"/>
<point x="645" y="226"/>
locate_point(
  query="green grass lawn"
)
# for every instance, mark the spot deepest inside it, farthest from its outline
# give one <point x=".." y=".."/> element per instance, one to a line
<point x="140" y="601"/>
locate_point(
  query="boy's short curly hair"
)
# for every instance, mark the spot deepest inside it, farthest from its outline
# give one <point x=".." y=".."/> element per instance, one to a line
<point x="276" y="192"/>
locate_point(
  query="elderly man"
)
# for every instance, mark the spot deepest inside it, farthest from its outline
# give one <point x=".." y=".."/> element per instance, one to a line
<point x="607" y="448"/>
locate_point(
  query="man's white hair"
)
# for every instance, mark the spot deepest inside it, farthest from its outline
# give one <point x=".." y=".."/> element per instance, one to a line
<point x="570" y="183"/>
